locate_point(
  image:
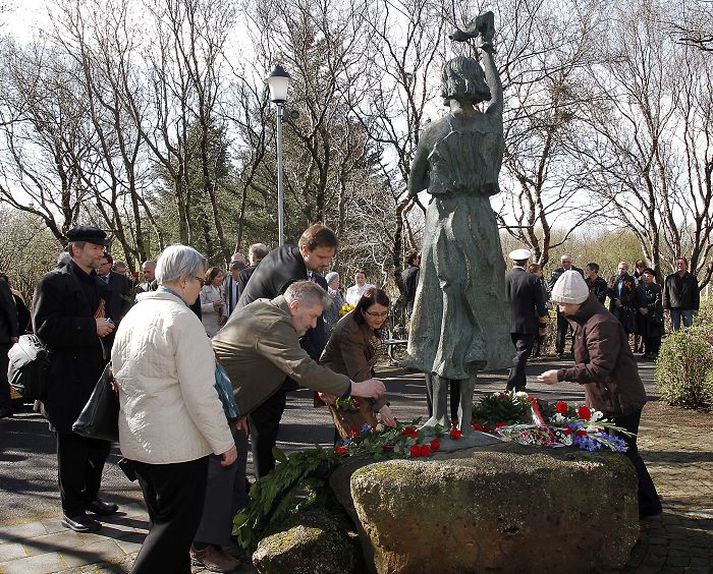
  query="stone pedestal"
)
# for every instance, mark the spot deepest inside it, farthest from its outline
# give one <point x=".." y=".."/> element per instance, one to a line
<point x="501" y="508"/>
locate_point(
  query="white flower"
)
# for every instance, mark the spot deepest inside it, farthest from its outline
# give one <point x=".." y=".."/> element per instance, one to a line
<point x="558" y="418"/>
<point x="596" y="415"/>
<point x="521" y="395"/>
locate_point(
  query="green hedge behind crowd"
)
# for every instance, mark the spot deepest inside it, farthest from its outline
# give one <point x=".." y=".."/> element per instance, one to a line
<point x="684" y="370"/>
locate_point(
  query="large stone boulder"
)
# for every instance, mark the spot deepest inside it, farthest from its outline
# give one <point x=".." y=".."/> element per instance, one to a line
<point x="313" y="542"/>
<point x="503" y="508"/>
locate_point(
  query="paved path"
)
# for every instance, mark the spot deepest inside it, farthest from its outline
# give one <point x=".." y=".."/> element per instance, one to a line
<point x="676" y="445"/>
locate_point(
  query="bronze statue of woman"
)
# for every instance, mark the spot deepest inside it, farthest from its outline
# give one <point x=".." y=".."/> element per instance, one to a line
<point x="460" y="323"/>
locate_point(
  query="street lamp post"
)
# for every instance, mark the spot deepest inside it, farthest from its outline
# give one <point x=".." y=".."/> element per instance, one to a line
<point x="278" y="82"/>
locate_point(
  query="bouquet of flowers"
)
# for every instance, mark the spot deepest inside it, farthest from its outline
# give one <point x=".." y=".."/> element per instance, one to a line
<point x="523" y="419"/>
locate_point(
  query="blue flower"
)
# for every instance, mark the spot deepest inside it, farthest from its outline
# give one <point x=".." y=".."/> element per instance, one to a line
<point x="365" y="428"/>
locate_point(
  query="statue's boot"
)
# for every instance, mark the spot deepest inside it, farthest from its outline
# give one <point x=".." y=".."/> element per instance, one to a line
<point x="439" y="395"/>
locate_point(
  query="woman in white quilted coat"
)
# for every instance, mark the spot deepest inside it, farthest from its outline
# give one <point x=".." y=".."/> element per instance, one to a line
<point x="170" y="418"/>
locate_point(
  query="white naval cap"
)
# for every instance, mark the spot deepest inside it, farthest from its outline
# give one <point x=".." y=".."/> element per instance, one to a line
<point x="520" y="255"/>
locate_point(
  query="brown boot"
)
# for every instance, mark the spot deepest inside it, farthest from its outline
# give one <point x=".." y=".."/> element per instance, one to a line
<point x="214" y="559"/>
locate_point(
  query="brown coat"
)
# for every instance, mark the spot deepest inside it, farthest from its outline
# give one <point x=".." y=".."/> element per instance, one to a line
<point x="604" y="363"/>
<point x="259" y="347"/>
<point x="348" y="350"/>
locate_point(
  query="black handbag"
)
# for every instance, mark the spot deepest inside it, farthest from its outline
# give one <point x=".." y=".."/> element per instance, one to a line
<point x="100" y="416"/>
<point x="29" y="362"/>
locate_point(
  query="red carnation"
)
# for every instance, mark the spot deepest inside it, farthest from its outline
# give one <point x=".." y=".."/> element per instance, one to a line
<point x="455" y="434"/>
<point x="416" y="451"/>
<point x="341" y="450"/>
<point x="581" y="432"/>
<point x="500" y="425"/>
<point x="435" y="444"/>
<point x="562" y="407"/>
<point x="425" y="450"/>
<point x="584" y="412"/>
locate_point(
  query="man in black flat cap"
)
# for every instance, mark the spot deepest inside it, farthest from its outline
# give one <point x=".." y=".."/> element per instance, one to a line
<point x="69" y="318"/>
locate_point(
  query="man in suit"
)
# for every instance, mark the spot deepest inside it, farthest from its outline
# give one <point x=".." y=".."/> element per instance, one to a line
<point x="527" y="310"/>
<point x="617" y="290"/>
<point x="119" y="287"/>
<point x="231" y="288"/>
<point x="563" y="325"/>
<point x="276" y="272"/>
<point x="68" y="317"/>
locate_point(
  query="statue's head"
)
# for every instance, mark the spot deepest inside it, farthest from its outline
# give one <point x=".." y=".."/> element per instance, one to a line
<point x="463" y="80"/>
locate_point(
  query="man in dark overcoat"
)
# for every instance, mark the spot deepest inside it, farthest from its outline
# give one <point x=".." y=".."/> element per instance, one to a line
<point x="68" y="317"/>
<point x="276" y="272"/>
<point x="9" y="333"/>
<point x="527" y="310"/>
<point x="563" y="325"/>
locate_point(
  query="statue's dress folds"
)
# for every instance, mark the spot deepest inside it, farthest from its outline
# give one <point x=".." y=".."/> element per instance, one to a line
<point x="459" y="323"/>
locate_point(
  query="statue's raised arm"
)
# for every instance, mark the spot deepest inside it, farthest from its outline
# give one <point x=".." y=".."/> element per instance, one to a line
<point x="483" y="28"/>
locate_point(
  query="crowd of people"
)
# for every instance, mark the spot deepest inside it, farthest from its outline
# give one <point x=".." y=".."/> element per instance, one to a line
<point x="637" y="300"/>
<point x="272" y="322"/>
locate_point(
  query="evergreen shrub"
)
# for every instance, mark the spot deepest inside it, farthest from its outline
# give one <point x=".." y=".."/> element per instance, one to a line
<point x="684" y="370"/>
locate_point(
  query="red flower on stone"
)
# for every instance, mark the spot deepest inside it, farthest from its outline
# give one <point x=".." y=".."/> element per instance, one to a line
<point x="415" y="451"/>
<point x="455" y="434"/>
<point x="500" y="425"/>
<point x="410" y="432"/>
<point x="581" y="432"/>
<point x="478" y="427"/>
<point x="425" y="450"/>
<point x="562" y="407"/>
<point x="341" y="450"/>
<point x="435" y="444"/>
<point x="584" y="412"/>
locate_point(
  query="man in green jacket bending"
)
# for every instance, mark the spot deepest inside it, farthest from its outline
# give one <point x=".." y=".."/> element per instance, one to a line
<point x="259" y="346"/>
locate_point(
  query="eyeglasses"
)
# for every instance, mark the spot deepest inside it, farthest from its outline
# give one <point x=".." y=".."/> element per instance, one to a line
<point x="377" y="315"/>
<point x="201" y="279"/>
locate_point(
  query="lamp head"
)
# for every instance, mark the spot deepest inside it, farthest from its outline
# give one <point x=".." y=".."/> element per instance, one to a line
<point x="278" y="82"/>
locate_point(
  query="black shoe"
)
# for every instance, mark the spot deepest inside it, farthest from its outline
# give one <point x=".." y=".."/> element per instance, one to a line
<point x="102" y="508"/>
<point x="81" y="523"/>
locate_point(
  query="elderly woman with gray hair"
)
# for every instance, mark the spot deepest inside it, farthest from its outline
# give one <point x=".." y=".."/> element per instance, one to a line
<point x="170" y="416"/>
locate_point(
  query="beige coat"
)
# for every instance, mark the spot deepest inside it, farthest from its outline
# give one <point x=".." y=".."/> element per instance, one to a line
<point x="165" y="368"/>
<point x="259" y="348"/>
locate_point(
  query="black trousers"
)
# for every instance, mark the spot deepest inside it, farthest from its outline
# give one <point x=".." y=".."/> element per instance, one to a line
<point x="649" y="502"/>
<point x="174" y="495"/>
<point x="563" y="327"/>
<point x="80" y="463"/>
<point x="523" y="347"/>
<point x="5" y="401"/>
<point x="264" y="426"/>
